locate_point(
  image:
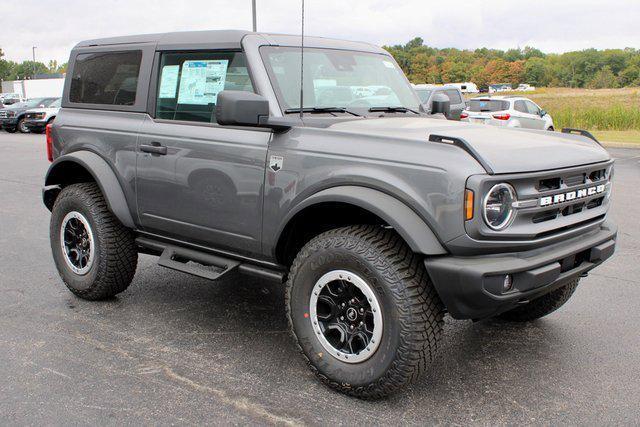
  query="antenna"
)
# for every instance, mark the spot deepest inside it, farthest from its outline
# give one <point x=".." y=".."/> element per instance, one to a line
<point x="253" y="13"/>
<point x="302" y="63"/>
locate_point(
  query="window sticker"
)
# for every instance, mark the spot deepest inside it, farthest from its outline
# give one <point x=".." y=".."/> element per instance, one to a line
<point x="169" y="81"/>
<point x="201" y="81"/>
<point x="388" y="64"/>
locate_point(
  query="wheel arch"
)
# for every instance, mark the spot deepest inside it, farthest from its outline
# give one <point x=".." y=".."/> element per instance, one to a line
<point x="367" y="205"/>
<point x="84" y="166"/>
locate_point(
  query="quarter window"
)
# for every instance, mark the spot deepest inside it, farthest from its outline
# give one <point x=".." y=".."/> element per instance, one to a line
<point x="189" y="83"/>
<point x="109" y="78"/>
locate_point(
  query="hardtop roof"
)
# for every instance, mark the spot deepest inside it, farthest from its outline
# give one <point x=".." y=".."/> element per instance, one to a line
<point x="223" y="38"/>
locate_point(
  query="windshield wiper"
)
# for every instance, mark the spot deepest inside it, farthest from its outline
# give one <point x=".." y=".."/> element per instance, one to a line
<point x="321" y="110"/>
<point x="393" y="110"/>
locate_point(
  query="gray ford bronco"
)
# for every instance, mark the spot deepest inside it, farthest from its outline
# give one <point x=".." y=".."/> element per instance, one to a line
<point x="379" y="218"/>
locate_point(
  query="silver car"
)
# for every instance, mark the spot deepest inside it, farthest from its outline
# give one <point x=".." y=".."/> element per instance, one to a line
<point x="508" y="111"/>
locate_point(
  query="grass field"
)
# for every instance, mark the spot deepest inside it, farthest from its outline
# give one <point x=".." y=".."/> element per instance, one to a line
<point x="612" y="114"/>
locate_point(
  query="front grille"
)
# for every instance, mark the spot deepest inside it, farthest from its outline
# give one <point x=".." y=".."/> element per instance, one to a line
<point x="3" y="114"/>
<point x="550" y="202"/>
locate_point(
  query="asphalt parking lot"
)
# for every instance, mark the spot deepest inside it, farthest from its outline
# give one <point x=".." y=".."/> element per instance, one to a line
<point x="174" y="349"/>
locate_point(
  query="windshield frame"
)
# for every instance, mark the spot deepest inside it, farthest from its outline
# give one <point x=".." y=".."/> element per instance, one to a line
<point x="361" y="111"/>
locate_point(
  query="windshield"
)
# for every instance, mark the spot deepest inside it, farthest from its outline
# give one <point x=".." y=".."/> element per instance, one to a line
<point x="488" y="105"/>
<point x="424" y="94"/>
<point x="337" y="78"/>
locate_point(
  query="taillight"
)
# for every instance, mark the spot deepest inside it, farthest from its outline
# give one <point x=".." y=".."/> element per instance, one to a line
<point x="49" y="142"/>
<point x="464" y="115"/>
<point x="504" y="116"/>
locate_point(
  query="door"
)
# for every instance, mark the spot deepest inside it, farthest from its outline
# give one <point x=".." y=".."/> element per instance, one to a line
<point x="197" y="181"/>
<point x="537" y="121"/>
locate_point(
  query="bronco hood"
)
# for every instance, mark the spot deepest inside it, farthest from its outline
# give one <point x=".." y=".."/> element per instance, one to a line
<point x="503" y="150"/>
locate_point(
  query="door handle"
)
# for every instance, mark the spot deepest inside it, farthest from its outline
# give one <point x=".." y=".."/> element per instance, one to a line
<point x="154" y="148"/>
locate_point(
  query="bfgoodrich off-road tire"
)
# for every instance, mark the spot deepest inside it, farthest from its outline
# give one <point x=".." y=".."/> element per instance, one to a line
<point x="114" y="260"/>
<point x="412" y="313"/>
<point x="542" y="306"/>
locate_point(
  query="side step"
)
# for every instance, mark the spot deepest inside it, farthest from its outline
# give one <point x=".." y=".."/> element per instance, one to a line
<point x="197" y="263"/>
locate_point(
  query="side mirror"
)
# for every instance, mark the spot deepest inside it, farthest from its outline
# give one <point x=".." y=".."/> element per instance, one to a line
<point x="543" y="113"/>
<point x="440" y="104"/>
<point x="241" y="108"/>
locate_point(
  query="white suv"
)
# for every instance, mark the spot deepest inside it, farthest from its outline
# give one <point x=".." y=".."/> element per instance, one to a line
<point x="509" y="111"/>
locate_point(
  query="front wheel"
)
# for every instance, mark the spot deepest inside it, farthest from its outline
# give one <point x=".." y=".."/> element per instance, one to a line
<point x="542" y="306"/>
<point x="22" y="126"/>
<point x="363" y="311"/>
<point x="550" y="128"/>
<point x="94" y="253"/>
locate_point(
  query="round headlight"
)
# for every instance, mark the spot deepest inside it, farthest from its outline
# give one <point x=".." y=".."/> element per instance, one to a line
<point x="497" y="208"/>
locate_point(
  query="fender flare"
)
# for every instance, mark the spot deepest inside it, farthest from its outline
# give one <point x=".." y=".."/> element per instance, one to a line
<point x="102" y="174"/>
<point x="411" y="227"/>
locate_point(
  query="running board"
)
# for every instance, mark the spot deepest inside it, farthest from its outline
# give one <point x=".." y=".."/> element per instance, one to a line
<point x="196" y="263"/>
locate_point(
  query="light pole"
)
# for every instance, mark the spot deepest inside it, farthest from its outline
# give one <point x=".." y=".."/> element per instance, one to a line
<point x="253" y="12"/>
<point x="33" y="52"/>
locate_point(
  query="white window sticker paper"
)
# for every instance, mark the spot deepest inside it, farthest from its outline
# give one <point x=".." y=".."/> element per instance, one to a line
<point x="201" y="81"/>
<point x="169" y="81"/>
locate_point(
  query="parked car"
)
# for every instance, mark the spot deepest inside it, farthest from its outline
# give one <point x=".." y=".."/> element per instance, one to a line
<point x="375" y="217"/>
<point x="508" y="111"/>
<point x="12" y="118"/>
<point x="523" y="87"/>
<point x="426" y="93"/>
<point x="10" y="98"/>
<point x="38" y="118"/>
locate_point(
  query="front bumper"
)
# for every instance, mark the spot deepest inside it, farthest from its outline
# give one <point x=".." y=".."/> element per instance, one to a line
<point x="471" y="287"/>
<point x="35" y="125"/>
<point x="9" y="123"/>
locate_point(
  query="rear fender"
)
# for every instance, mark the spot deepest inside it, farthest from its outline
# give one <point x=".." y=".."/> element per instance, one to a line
<point x="59" y="175"/>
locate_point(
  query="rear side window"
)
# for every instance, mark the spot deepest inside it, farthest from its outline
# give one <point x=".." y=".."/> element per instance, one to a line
<point x="423" y="94"/>
<point x="108" y="78"/>
<point x="189" y="83"/>
<point x="521" y="107"/>
<point x="488" y="105"/>
<point x="454" y="96"/>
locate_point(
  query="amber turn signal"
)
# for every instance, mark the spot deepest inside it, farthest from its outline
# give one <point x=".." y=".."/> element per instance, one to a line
<point x="468" y="205"/>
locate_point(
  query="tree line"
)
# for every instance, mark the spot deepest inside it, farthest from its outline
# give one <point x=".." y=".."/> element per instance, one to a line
<point x="590" y="68"/>
<point x="11" y="70"/>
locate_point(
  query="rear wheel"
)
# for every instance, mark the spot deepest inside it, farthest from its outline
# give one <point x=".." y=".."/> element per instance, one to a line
<point x="550" y="128"/>
<point x="363" y="310"/>
<point x="94" y="253"/>
<point x="542" y="306"/>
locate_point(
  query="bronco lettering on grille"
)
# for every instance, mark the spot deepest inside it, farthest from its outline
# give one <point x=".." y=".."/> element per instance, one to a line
<point x="572" y="195"/>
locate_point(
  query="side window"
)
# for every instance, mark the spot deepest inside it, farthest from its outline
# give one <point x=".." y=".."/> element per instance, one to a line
<point x="189" y="83"/>
<point x="454" y="96"/>
<point x="521" y="107"/>
<point x="109" y="78"/>
<point x="533" y="108"/>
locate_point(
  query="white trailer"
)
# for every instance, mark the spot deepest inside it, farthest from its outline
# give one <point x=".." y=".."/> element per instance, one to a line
<point x="35" y="88"/>
<point x="466" y="87"/>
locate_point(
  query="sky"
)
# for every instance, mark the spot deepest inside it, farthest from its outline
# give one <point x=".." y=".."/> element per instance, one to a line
<point x="55" y="26"/>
